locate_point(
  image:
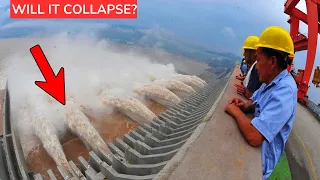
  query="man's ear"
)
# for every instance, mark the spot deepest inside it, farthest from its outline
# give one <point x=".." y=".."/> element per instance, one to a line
<point x="273" y="61"/>
<point x="255" y="54"/>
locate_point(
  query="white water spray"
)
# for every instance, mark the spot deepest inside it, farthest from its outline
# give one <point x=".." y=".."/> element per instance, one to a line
<point x="46" y="132"/>
<point x="192" y="81"/>
<point x="179" y="88"/>
<point x="129" y="106"/>
<point x="158" y="94"/>
<point x="80" y="125"/>
<point x="89" y="65"/>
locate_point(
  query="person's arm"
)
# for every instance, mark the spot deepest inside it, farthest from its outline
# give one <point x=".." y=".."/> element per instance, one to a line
<point x="276" y="112"/>
<point x="244" y="91"/>
<point x="253" y="84"/>
<point x="248" y="94"/>
<point x="248" y="107"/>
<point x="250" y="133"/>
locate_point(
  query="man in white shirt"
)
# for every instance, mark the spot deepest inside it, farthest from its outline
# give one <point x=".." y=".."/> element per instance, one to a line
<point x="251" y="82"/>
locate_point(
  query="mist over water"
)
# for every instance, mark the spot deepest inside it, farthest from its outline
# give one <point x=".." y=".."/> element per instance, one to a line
<point x="91" y="66"/>
<point x="101" y="80"/>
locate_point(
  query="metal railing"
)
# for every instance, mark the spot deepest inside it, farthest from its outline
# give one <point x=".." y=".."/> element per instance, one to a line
<point x="314" y="108"/>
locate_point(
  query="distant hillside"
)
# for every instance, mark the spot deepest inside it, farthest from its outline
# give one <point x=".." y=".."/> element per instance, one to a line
<point x="159" y="38"/>
<point x="155" y="38"/>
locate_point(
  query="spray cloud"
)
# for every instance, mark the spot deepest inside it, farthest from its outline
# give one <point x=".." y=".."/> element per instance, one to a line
<point x="90" y="66"/>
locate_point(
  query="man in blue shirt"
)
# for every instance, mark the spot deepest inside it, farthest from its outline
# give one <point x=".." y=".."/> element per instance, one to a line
<point x="243" y="67"/>
<point x="274" y="103"/>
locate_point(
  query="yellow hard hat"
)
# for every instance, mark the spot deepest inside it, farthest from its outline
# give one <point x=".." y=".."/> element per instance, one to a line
<point x="291" y="56"/>
<point x="251" y="42"/>
<point x="276" y="37"/>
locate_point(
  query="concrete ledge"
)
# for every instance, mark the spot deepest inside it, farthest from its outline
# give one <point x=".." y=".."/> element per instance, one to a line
<point x="303" y="145"/>
<point x="220" y="151"/>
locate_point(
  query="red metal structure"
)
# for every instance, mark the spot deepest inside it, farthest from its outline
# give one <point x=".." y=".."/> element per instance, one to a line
<point x="302" y="42"/>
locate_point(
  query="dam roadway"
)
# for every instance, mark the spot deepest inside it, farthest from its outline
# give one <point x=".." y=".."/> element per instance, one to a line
<point x="220" y="151"/>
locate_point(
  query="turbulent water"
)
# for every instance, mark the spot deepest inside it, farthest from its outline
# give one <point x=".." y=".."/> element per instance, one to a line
<point x="89" y="65"/>
<point x="129" y="106"/>
<point x="80" y="125"/>
<point x="47" y="133"/>
<point x="192" y="81"/>
<point x="179" y="88"/>
<point x="158" y="94"/>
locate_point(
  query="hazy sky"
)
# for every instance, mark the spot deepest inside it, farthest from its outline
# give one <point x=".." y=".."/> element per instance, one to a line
<point x="222" y="24"/>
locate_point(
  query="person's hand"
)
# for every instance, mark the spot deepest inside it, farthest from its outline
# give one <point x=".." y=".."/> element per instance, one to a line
<point x="240" y="78"/>
<point x="237" y="101"/>
<point x="240" y="89"/>
<point x="232" y="109"/>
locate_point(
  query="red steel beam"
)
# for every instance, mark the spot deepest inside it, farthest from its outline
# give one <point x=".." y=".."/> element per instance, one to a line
<point x="313" y="30"/>
<point x="302" y="16"/>
<point x="310" y="43"/>
<point x="294" y="26"/>
<point x="290" y="5"/>
<point x="300" y="42"/>
<point x="301" y="46"/>
<point x="294" y="31"/>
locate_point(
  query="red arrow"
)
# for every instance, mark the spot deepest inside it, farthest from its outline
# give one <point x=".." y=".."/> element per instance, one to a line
<point x="54" y="85"/>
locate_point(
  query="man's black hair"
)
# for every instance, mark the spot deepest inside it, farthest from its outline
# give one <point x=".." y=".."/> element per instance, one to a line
<point x="252" y="53"/>
<point x="251" y="50"/>
<point x="283" y="59"/>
